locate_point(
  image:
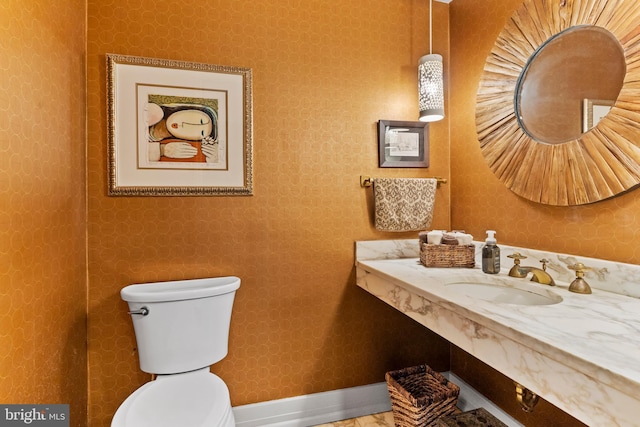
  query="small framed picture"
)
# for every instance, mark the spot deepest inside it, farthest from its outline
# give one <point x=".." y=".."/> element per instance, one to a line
<point x="178" y="128"/>
<point x="403" y="144"/>
<point x="593" y="110"/>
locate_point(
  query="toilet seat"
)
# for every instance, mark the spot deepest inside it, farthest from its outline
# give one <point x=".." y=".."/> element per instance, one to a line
<point x="191" y="399"/>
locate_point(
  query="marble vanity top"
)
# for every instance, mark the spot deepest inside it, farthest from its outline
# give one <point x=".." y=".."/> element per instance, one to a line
<point x="582" y="354"/>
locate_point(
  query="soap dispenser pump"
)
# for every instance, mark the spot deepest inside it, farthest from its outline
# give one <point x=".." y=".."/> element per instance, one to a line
<point x="491" y="254"/>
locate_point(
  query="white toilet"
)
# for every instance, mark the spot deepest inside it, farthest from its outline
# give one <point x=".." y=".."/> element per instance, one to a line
<point x="181" y="328"/>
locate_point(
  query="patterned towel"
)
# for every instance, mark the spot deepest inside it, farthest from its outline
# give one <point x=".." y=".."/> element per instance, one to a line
<point x="404" y="204"/>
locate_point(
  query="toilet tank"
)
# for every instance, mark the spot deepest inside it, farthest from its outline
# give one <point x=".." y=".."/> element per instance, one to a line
<point x="181" y="325"/>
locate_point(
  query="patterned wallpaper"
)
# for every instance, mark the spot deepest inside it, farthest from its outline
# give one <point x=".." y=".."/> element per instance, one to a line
<point x="324" y="73"/>
<point x="42" y="205"/>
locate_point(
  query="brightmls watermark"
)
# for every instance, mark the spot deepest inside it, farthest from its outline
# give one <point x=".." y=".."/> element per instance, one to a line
<point x="56" y="415"/>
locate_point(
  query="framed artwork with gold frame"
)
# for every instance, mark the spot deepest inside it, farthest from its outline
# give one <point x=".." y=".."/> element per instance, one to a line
<point x="178" y="128"/>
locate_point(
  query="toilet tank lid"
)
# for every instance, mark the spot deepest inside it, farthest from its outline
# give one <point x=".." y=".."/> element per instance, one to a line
<point x="180" y="289"/>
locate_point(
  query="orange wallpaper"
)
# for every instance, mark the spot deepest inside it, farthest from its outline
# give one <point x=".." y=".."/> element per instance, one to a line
<point x="324" y="73"/>
<point x="607" y="229"/>
<point x="42" y="205"/>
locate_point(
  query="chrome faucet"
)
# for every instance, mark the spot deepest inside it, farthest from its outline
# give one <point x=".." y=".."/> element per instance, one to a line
<point x="538" y="275"/>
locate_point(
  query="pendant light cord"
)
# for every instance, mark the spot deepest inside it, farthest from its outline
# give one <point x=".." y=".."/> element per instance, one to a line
<point x="430" y="27"/>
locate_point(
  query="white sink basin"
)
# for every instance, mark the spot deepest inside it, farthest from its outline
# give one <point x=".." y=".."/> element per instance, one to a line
<point x="503" y="294"/>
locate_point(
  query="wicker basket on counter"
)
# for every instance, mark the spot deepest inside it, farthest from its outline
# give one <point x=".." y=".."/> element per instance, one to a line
<point x="448" y="255"/>
<point x="420" y="396"/>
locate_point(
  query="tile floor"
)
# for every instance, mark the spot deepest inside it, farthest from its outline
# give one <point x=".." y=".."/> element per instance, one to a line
<point x="384" y="419"/>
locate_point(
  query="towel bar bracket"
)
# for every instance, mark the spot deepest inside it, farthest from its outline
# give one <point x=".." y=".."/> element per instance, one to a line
<point x="365" y="181"/>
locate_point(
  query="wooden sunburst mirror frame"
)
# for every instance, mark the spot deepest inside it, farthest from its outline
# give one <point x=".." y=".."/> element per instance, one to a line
<point x="601" y="163"/>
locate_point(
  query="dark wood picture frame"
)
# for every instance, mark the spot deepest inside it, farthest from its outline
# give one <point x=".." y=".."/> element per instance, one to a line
<point x="403" y="144"/>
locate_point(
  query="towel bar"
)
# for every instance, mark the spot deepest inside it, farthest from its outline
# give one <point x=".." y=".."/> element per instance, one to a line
<point x="367" y="181"/>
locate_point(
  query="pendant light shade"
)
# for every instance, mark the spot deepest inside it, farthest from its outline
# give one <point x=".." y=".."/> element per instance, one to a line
<point x="430" y="84"/>
<point x="430" y="88"/>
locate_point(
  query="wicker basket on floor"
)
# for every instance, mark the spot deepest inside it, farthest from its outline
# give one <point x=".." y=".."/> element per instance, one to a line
<point x="479" y="417"/>
<point x="420" y="396"/>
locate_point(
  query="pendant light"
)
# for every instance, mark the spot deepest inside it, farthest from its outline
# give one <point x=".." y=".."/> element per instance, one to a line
<point x="430" y="85"/>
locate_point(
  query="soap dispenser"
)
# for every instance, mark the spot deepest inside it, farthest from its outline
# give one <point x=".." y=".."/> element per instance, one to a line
<point x="491" y="254"/>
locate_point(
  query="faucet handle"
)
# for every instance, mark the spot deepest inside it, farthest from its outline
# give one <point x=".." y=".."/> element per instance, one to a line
<point x="579" y="285"/>
<point x="516" y="256"/>
<point x="579" y="268"/>
<point x="544" y="262"/>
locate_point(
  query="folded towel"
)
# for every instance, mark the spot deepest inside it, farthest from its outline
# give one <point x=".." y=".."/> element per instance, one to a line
<point x="404" y="204"/>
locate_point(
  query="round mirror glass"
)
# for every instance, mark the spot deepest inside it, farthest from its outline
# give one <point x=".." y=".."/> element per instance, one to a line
<point x="569" y="83"/>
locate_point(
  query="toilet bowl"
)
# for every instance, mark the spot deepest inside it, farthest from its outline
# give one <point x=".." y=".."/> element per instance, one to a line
<point x="181" y="329"/>
<point x="196" y="398"/>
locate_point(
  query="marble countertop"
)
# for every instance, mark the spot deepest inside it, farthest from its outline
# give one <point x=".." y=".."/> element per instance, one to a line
<point x="597" y="335"/>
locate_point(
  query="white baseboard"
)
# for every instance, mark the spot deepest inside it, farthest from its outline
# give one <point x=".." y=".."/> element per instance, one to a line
<point x="330" y="406"/>
<point x="313" y="409"/>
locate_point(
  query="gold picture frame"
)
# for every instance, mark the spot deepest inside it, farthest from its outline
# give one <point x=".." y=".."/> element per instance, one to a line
<point x="178" y="128"/>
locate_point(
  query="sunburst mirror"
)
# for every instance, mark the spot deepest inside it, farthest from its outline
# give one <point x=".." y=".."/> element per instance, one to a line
<point x="602" y="158"/>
